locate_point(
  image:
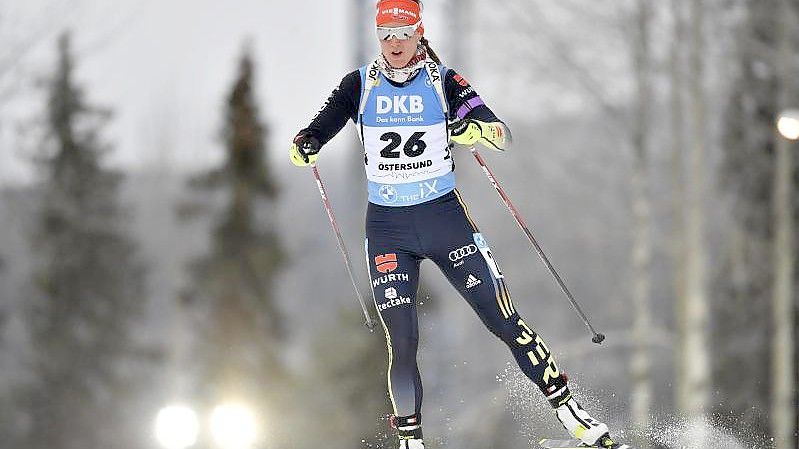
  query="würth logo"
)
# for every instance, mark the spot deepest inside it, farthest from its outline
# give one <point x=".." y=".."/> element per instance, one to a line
<point x="386" y="263"/>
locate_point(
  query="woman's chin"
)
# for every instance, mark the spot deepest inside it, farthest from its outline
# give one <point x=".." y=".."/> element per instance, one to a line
<point x="397" y="63"/>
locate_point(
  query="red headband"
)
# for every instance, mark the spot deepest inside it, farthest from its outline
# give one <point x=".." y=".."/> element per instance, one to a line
<point x="406" y="12"/>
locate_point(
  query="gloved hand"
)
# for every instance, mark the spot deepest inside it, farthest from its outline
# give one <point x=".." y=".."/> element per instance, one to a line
<point x="469" y="131"/>
<point x="304" y="150"/>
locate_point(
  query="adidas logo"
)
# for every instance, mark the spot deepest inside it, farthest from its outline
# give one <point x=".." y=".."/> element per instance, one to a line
<point x="472" y="281"/>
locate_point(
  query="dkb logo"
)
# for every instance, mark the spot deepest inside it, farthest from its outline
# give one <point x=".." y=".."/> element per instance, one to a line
<point x="400" y="104"/>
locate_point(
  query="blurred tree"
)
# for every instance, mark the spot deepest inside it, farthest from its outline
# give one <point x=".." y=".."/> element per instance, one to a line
<point x="2" y="289"/>
<point x="89" y="284"/>
<point x="692" y="377"/>
<point x="233" y="285"/>
<point x="783" y="385"/>
<point x="631" y="117"/>
<point x="677" y="91"/>
<point x="356" y="32"/>
<point x="641" y="364"/>
<point x="19" y="42"/>
<point x="748" y="174"/>
<point x="23" y="28"/>
<point x="4" y="300"/>
<point x="461" y="30"/>
<point x="347" y="395"/>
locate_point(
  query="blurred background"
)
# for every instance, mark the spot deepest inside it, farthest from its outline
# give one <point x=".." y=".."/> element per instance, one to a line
<point x="169" y="279"/>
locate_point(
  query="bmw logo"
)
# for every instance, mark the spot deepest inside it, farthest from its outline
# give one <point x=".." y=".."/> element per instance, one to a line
<point x="389" y="193"/>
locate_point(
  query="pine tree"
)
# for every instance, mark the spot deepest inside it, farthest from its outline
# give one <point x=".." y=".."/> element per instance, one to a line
<point x="88" y="283"/>
<point x="233" y="284"/>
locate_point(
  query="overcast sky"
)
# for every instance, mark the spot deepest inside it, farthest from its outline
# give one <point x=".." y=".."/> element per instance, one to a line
<point x="165" y="67"/>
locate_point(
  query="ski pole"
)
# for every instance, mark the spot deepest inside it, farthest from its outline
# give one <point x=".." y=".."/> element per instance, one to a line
<point x="370" y="323"/>
<point x="597" y="337"/>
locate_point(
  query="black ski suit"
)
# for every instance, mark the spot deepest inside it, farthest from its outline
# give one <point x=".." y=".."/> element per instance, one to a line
<point x="398" y="238"/>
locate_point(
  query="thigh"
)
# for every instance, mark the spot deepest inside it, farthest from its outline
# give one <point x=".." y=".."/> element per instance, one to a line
<point x="394" y="278"/>
<point x="465" y="257"/>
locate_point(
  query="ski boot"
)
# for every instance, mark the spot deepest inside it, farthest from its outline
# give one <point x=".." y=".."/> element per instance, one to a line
<point x="409" y="430"/>
<point x="412" y="443"/>
<point x="582" y="426"/>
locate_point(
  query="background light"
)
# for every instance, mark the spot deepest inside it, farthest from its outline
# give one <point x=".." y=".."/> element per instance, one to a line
<point x="233" y="426"/>
<point x="176" y="427"/>
<point x="788" y="124"/>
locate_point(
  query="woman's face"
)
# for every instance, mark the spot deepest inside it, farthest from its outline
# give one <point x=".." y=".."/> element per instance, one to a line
<point x="398" y="52"/>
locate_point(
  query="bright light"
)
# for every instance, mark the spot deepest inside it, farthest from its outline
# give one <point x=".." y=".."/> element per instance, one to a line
<point x="176" y="427"/>
<point x="788" y="124"/>
<point x="233" y="426"/>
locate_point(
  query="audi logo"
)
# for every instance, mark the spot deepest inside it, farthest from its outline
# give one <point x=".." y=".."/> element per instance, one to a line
<point x="462" y="252"/>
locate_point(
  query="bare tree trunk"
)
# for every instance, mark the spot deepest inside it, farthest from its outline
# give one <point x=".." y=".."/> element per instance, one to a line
<point x="677" y="81"/>
<point x="357" y="34"/>
<point x="642" y="245"/>
<point x="460" y="34"/>
<point x="693" y="375"/>
<point x="783" y="412"/>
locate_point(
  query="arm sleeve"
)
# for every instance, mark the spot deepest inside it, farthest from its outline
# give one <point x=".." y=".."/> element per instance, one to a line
<point x="464" y="102"/>
<point x="341" y="105"/>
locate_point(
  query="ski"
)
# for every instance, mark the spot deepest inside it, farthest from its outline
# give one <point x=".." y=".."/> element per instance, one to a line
<point x="547" y="443"/>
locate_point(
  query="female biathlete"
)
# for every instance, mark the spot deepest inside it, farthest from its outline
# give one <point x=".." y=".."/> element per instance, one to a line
<point x="401" y="104"/>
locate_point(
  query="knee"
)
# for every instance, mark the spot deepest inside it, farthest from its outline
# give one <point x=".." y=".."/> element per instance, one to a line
<point x="505" y="329"/>
<point x="404" y="347"/>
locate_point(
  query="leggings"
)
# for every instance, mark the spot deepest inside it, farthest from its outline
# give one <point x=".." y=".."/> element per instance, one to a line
<point x="397" y="240"/>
